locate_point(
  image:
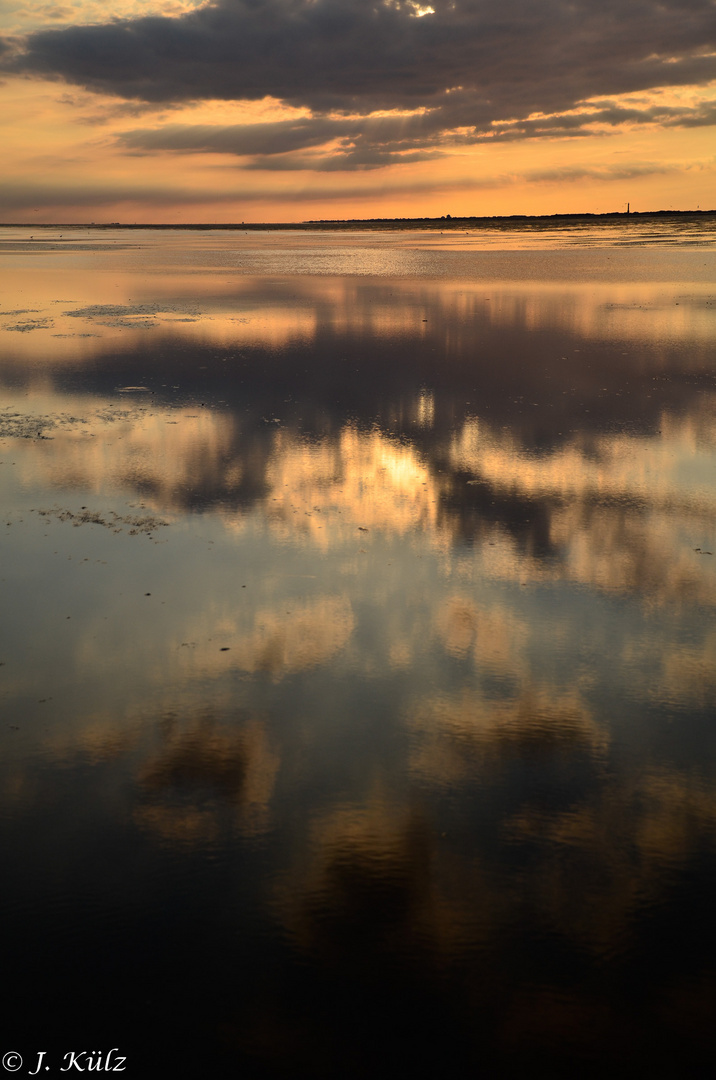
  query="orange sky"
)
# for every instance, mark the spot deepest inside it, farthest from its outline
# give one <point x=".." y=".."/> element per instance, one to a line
<point x="334" y="114"/>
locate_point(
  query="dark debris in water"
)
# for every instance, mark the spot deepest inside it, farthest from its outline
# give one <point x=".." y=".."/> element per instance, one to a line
<point x="138" y="524"/>
<point x="30" y="324"/>
<point x="16" y="425"/>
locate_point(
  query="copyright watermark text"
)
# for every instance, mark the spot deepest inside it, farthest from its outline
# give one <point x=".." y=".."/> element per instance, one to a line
<point x="73" y="1061"/>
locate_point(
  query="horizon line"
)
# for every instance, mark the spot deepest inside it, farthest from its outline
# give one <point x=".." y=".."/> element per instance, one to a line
<point x="444" y="220"/>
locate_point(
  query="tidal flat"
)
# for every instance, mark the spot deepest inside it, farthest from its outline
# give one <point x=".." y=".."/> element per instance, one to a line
<point x="358" y="649"/>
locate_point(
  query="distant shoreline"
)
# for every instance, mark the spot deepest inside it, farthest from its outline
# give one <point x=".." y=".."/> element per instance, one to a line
<point x="378" y="224"/>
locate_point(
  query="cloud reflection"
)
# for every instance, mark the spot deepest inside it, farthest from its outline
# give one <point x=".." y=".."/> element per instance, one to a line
<point x="205" y="778"/>
<point x="455" y="735"/>
<point x="618" y="512"/>
<point x="285" y="641"/>
<point x="426" y="635"/>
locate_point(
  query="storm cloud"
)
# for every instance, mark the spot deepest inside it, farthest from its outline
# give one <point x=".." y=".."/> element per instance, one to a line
<point x="472" y="68"/>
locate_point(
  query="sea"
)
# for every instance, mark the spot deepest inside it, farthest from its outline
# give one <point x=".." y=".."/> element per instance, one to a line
<point x="365" y="724"/>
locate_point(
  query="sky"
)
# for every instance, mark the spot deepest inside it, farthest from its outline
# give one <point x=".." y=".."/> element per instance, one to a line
<point x="295" y="110"/>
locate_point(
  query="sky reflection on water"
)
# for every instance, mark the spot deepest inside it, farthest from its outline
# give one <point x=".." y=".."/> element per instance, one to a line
<point x="358" y="654"/>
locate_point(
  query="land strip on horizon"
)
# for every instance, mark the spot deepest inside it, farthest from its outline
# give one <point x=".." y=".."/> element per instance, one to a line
<point x="445" y="222"/>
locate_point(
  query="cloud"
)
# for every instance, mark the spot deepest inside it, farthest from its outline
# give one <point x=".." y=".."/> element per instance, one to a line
<point x="329" y="144"/>
<point x="16" y="196"/>
<point x="508" y="59"/>
<point x="593" y="117"/>
<point x="240" y="139"/>
<point x="452" y="74"/>
<point x="358" y="143"/>
<point x="341" y="161"/>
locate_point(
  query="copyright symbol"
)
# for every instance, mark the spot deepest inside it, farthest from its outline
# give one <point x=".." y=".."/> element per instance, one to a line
<point x="12" y="1061"/>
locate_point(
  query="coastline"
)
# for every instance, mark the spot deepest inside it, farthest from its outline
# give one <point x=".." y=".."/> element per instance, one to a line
<point x="390" y="224"/>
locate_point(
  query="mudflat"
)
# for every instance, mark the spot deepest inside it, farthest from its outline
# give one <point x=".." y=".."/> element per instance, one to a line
<point x="357" y="648"/>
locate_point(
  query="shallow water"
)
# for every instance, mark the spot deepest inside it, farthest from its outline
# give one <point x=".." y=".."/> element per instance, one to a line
<point x="358" y="652"/>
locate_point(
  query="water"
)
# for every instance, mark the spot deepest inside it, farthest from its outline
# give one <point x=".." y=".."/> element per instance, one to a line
<point x="358" y="650"/>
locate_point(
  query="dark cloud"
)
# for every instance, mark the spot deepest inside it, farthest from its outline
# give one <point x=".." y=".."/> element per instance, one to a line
<point x="590" y="121"/>
<point x="357" y="143"/>
<point x="242" y="139"/>
<point x="703" y="117"/>
<point x="370" y="143"/>
<point x="473" y="69"/>
<point x="342" y="161"/>
<point x="511" y="56"/>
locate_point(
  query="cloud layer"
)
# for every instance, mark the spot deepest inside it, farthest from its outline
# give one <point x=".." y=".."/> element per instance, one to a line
<point x="470" y="68"/>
